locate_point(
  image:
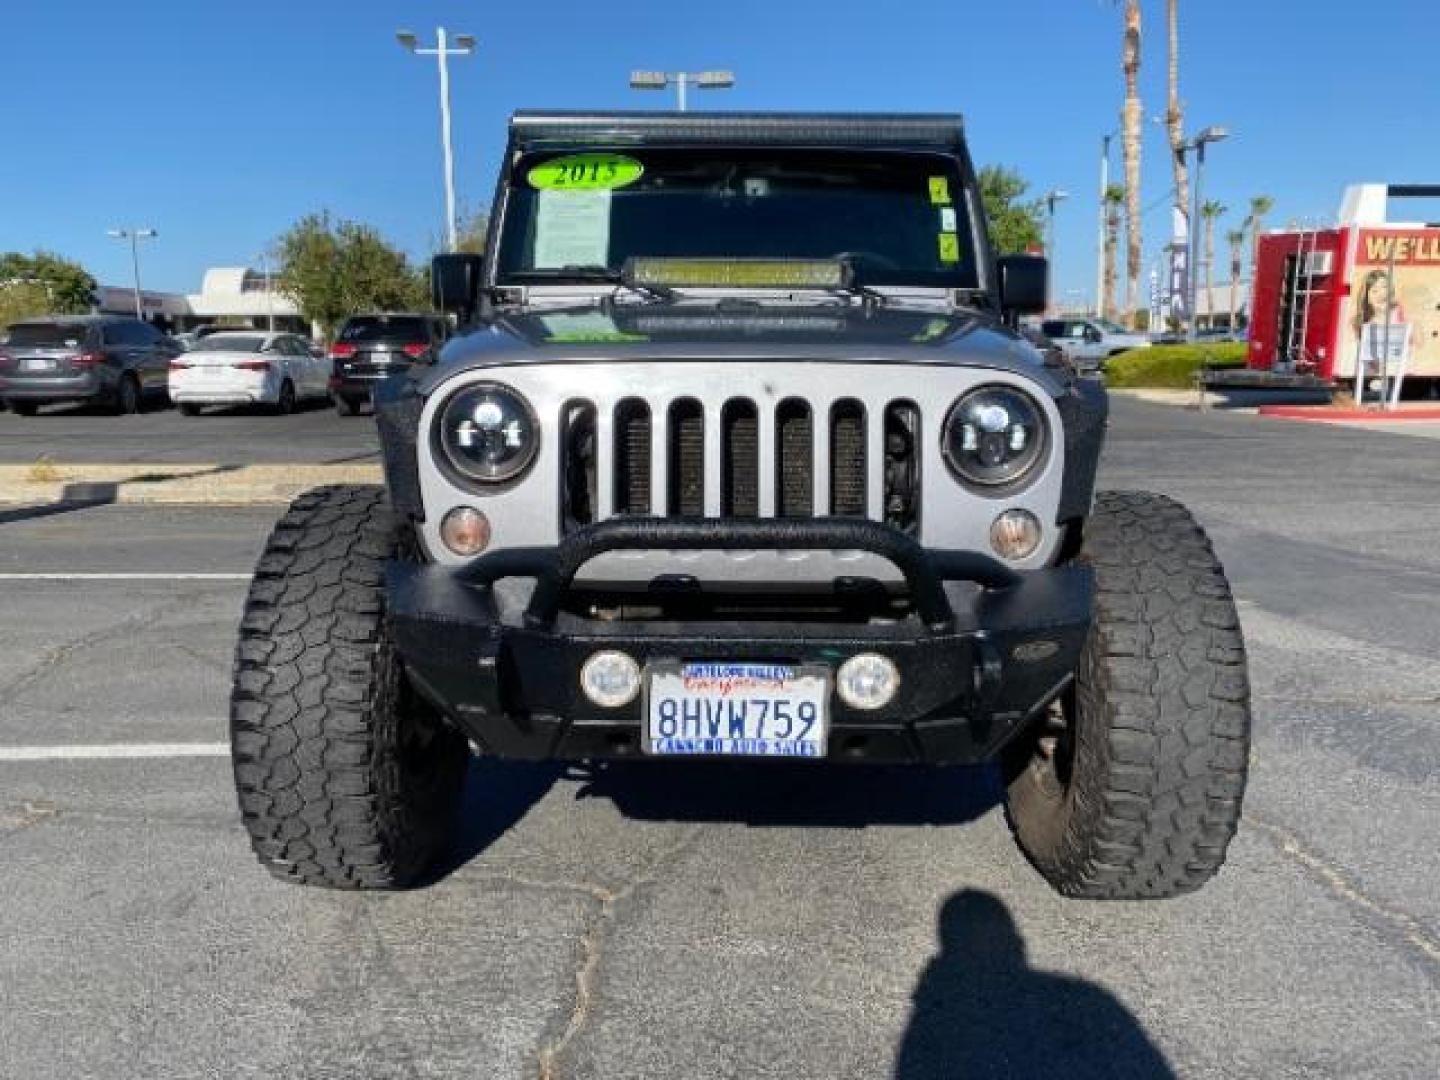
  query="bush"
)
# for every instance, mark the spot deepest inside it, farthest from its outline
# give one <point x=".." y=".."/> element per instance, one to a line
<point x="1171" y="366"/>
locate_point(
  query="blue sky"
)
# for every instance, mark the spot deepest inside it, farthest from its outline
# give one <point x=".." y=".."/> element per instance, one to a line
<point x="219" y="123"/>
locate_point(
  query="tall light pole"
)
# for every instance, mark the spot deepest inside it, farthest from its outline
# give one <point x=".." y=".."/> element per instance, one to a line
<point x="1100" y="259"/>
<point x="1207" y="135"/>
<point x="134" y="236"/>
<point x="681" y="80"/>
<point x="1053" y="196"/>
<point x="464" y="46"/>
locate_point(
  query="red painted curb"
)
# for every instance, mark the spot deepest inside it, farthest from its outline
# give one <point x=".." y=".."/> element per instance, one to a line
<point x="1320" y="412"/>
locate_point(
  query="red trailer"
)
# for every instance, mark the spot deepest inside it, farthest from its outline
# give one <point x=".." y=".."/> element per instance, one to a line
<point x="1327" y="299"/>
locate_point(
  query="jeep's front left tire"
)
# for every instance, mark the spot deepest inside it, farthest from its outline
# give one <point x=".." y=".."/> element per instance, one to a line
<point x="345" y="777"/>
<point x="1131" y="787"/>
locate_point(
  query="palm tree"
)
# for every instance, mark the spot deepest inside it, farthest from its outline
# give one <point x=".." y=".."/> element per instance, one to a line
<point x="1236" y="239"/>
<point x="1210" y="211"/>
<point x="1174" y="114"/>
<point x="1114" y="204"/>
<point x="1260" y="205"/>
<point x="1130" y="125"/>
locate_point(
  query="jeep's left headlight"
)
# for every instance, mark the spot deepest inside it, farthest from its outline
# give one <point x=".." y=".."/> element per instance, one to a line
<point x="488" y="433"/>
<point x="994" y="437"/>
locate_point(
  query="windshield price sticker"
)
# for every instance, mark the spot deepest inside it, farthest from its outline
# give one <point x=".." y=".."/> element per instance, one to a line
<point x="940" y="190"/>
<point x="949" y="248"/>
<point x="586" y="172"/>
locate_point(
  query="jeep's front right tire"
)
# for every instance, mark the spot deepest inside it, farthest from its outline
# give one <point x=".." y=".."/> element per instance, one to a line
<point x="1131" y="787"/>
<point x="345" y="777"/>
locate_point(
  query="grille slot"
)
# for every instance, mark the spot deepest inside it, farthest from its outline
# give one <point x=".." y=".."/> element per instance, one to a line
<point x="794" y="459"/>
<point x="632" y="457"/>
<point x="902" y="466"/>
<point x="687" y="458"/>
<point x="847" y="458"/>
<point x="740" y="459"/>
<point x="577" y="479"/>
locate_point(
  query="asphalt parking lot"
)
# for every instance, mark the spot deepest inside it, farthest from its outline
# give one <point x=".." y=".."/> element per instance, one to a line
<point x="720" y="921"/>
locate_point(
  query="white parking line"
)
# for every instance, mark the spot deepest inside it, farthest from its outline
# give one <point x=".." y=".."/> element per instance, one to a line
<point x="110" y="751"/>
<point x="123" y="577"/>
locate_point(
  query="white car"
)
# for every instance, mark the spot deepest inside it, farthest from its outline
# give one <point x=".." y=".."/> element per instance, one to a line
<point x="248" y="367"/>
<point x="1089" y="342"/>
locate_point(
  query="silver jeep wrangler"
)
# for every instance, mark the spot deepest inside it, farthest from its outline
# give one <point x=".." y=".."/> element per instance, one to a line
<point x="737" y="453"/>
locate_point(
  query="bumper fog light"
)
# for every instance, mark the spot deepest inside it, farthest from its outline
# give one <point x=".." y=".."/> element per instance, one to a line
<point x="1015" y="534"/>
<point x="465" y="531"/>
<point x="867" y="681"/>
<point x="610" y="679"/>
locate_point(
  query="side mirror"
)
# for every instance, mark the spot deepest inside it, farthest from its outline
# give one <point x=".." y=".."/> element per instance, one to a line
<point x="1023" y="288"/>
<point x="455" y="283"/>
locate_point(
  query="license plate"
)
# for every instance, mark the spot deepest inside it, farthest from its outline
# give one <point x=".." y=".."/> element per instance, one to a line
<point x="37" y="363"/>
<point x="736" y="710"/>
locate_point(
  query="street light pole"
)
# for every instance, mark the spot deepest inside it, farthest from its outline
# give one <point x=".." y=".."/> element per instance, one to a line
<point x="682" y="81"/>
<point x="1053" y="196"/>
<point x="464" y="46"/>
<point x="1192" y="258"/>
<point x="134" y="236"/>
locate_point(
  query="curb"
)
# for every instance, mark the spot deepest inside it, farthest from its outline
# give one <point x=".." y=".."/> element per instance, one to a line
<point x="1321" y="414"/>
<point x="206" y="484"/>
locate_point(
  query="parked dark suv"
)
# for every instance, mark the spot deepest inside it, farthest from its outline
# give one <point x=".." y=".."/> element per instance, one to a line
<point x="105" y="359"/>
<point x="370" y="348"/>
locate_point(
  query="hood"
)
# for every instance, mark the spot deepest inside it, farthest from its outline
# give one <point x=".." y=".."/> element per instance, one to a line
<point x="738" y="331"/>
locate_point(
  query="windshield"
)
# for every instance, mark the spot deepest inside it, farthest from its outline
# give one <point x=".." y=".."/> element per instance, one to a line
<point x="229" y="343"/>
<point x="899" y="218"/>
<point x="385" y="328"/>
<point x="47" y="335"/>
<point x="1109" y="327"/>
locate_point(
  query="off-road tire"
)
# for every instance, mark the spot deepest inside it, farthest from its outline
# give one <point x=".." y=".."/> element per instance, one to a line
<point x="24" y="408"/>
<point x="345" y="778"/>
<point x="189" y="410"/>
<point x="1132" y="790"/>
<point x="347" y="406"/>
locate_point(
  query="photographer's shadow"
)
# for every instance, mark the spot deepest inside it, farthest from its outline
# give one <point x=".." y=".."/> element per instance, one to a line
<point x="981" y="1011"/>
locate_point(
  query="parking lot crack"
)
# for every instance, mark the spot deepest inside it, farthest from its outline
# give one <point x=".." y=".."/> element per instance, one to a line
<point x="1339" y="884"/>
<point x="592" y="947"/>
<point x="56" y="655"/>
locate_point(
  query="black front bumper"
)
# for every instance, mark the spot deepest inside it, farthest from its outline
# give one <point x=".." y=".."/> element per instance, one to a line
<point x="985" y="650"/>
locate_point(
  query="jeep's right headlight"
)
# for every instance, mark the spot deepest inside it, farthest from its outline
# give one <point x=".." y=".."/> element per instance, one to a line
<point x="994" y="437"/>
<point x="488" y="433"/>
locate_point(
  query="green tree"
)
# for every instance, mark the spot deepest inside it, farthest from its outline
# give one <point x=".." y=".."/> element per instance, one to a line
<point x="1015" y="225"/>
<point x="43" y="284"/>
<point x="472" y="231"/>
<point x="1236" y="239"/>
<point x="1114" y="209"/>
<point x="338" y="268"/>
<point x="1210" y="213"/>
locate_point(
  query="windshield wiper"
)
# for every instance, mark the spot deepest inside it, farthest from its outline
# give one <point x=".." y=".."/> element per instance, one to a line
<point x="569" y="272"/>
<point x="585" y="274"/>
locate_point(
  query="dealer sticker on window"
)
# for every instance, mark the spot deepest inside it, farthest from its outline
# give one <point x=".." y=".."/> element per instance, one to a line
<point x="736" y="709"/>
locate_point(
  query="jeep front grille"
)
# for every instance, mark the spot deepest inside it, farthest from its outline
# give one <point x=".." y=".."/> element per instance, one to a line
<point x="676" y="458"/>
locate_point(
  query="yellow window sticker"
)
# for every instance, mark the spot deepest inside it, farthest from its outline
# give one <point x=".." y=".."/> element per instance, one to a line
<point x="586" y="172"/>
<point x="949" y="248"/>
<point x="940" y="190"/>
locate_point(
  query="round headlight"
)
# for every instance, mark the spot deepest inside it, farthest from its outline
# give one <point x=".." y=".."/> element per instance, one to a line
<point x="994" y="436"/>
<point x="488" y="433"/>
